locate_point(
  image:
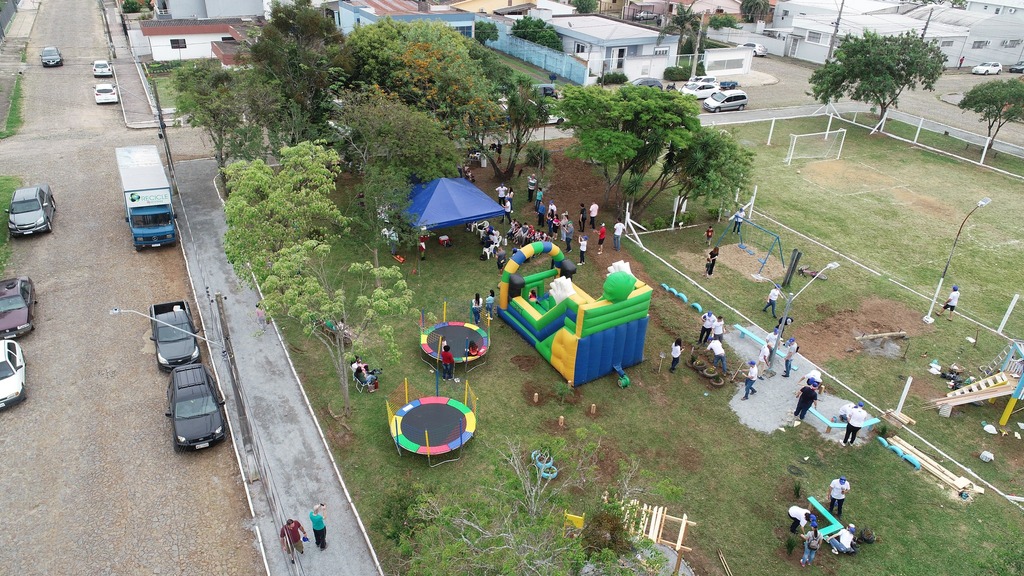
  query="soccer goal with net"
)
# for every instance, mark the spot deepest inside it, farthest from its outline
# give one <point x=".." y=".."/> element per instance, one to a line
<point x="819" y="145"/>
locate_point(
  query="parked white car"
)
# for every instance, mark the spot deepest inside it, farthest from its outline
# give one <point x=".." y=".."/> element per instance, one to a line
<point x="759" y="50"/>
<point x="12" y="374"/>
<point x="700" y="90"/>
<point x="106" y="94"/>
<point x="102" y="68"/>
<point x="986" y="68"/>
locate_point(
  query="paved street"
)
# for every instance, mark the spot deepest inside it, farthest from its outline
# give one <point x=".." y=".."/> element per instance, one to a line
<point x="91" y="482"/>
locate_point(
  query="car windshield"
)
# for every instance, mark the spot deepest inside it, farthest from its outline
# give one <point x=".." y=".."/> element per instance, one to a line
<point x="23" y="206"/>
<point x="150" y="220"/>
<point x="100" y="65"/>
<point x="990" y="64"/>
<point x="168" y="334"/>
<point x="49" y="51"/>
<point x="718" y="96"/>
<point x="692" y="86"/>
<point x="11" y="303"/>
<point x="6" y="370"/>
<point x="192" y="407"/>
<point x="105" y="90"/>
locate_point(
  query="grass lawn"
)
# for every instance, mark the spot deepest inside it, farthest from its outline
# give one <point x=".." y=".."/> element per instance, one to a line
<point x="14" y="117"/>
<point x="8" y="184"/>
<point x="168" y="95"/>
<point x="891" y="207"/>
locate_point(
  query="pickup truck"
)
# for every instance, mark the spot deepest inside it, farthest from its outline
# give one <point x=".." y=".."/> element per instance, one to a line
<point x="174" y="334"/>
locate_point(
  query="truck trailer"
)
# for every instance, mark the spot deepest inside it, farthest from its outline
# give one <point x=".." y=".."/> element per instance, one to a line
<point x="147" y="197"/>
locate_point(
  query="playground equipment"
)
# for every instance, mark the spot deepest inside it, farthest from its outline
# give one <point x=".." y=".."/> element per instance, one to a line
<point x="651" y="522"/>
<point x="911" y="454"/>
<point x="468" y="342"/>
<point x="753" y="234"/>
<point x="1011" y="366"/>
<point x="572" y="525"/>
<point x="583" y="338"/>
<point x="431" y="425"/>
<point x="545" y="464"/>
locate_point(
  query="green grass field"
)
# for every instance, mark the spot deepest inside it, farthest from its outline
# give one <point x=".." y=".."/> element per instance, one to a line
<point x="8" y="185"/>
<point x="891" y="207"/>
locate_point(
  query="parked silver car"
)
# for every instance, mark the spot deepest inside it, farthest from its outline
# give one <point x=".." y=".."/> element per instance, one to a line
<point x="32" y="210"/>
<point x="725" y="100"/>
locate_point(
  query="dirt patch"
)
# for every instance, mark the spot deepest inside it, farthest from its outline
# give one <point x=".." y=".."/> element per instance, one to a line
<point x="924" y="204"/>
<point x="856" y="177"/>
<point x="608" y="462"/>
<point x="525" y="363"/>
<point x="552" y="427"/>
<point x="543" y="394"/>
<point x="733" y="257"/>
<point x="834" y="336"/>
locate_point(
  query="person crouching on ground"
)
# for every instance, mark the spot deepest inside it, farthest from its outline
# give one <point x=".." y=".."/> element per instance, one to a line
<point x="842" y="543"/>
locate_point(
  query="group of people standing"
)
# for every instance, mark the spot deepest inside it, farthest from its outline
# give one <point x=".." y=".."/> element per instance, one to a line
<point x="293" y="533"/>
<point x="843" y="542"/>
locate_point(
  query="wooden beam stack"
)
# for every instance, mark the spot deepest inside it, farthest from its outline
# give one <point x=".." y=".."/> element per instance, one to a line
<point x="957" y="483"/>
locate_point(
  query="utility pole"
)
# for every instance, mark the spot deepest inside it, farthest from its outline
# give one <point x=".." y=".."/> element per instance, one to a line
<point x="835" y="32"/>
<point x="927" y="22"/>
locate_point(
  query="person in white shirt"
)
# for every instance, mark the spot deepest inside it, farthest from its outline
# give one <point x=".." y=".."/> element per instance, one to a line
<point x="800" y="516"/>
<point x="762" y="358"/>
<point x="854" y="422"/>
<point x="501" y="189"/>
<point x="791" y="349"/>
<point x="531" y="187"/>
<point x="950" y="304"/>
<point x="772" y="297"/>
<point x="583" y="250"/>
<point x="748" y="384"/>
<point x="844" y="412"/>
<point x="737" y="219"/>
<point x="772" y="339"/>
<point x="677" y="351"/>
<point x="837" y="494"/>
<point x="715" y="346"/>
<point x="617" y="234"/>
<point x="593" y="216"/>
<point x="707" y="322"/>
<point x="842" y="543"/>
<point x="816" y="374"/>
<point x="718" y="329"/>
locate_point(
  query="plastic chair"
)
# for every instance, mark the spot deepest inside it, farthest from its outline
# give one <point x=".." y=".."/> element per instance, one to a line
<point x="367" y="384"/>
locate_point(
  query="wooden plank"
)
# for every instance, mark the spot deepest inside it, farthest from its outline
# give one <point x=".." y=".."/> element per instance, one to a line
<point x="926" y="461"/>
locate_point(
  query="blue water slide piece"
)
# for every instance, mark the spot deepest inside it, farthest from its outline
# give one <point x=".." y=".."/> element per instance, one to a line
<point x="897" y="450"/>
<point x="683" y="297"/>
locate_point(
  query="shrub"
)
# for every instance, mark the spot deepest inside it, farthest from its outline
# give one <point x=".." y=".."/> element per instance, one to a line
<point x="605" y="531"/>
<point x="131" y="7"/>
<point x="790" y="544"/>
<point x="562" y="391"/>
<point x="613" y="78"/>
<point x="796" y="490"/>
<point x="675" y="73"/>
<point x="537" y="154"/>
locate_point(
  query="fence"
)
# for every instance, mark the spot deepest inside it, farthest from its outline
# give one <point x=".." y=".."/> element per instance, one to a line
<point x="7" y="12"/>
<point x="560" y="63"/>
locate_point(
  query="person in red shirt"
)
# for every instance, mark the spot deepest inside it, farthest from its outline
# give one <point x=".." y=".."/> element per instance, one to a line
<point x="709" y="234"/>
<point x="447" y="363"/>
<point x="600" y="238"/>
<point x="290" y="538"/>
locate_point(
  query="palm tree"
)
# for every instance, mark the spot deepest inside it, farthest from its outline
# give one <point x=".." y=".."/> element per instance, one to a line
<point x="752" y="10"/>
<point x="686" y="23"/>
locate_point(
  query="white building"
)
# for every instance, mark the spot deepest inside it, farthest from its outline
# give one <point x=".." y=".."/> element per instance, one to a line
<point x="810" y="36"/>
<point x="997" y="7"/>
<point x="787" y="10"/>
<point x="191" y="39"/>
<point x="993" y="37"/>
<point x="608" y="45"/>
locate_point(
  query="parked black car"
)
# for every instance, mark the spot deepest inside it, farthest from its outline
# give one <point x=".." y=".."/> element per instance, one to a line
<point x="50" y="56"/>
<point x="1018" y="67"/>
<point x="195" y="408"/>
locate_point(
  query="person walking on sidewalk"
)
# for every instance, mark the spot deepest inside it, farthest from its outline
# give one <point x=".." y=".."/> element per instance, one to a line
<point x="791" y="349"/>
<point x="291" y="539"/>
<point x="807" y="397"/>
<point x="677" y="351"/>
<point x="837" y="491"/>
<point x="715" y="346"/>
<point x="316" y="520"/>
<point x="748" y="384"/>
<point x="707" y="322"/>
<point x="812" y="541"/>
<point x="854" y="422"/>
<point x="772" y="297"/>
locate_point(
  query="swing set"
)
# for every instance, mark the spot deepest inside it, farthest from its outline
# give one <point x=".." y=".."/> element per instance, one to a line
<point x="755" y="239"/>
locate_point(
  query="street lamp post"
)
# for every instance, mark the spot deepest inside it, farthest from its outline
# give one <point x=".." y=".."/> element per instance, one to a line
<point x="116" y="311"/>
<point x="789" y="306"/>
<point x="928" y="317"/>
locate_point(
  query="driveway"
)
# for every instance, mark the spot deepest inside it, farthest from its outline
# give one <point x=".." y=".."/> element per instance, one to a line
<point x="91" y="482"/>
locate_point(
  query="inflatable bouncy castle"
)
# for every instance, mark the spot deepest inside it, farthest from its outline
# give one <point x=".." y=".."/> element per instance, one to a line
<point x="582" y="337"/>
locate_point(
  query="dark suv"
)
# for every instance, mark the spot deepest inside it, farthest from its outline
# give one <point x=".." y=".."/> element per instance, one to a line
<point x="17" y="306"/>
<point x="194" y="408"/>
<point x="32" y="210"/>
<point x="50" y="56"/>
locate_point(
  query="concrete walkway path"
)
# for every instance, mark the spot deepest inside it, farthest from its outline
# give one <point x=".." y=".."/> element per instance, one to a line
<point x="298" y="469"/>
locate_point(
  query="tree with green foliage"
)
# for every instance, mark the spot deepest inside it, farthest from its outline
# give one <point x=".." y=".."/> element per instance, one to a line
<point x="333" y="308"/>
<point x="997" y="103"/>
<point x="712" y="167"/>
<point x="877" y="69"/>
<point x="687" y="24"/>
<point x="537" y="31"/>
<point x="485" y="32"/>
<point x="300" y="51"/>
<point x="512" y="120"/>
<point x="719" y="21"/>
<point x="585" y="6"/>
<point x="754" y="10"/>
<point x="269" y="210"/>
<point x="628" y="129"/>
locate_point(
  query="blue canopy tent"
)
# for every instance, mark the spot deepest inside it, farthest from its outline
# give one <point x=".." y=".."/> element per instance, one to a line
<point x="447" y="202"/>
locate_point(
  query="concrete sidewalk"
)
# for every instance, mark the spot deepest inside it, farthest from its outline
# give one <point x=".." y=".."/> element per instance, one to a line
<point x="298" y="470"/>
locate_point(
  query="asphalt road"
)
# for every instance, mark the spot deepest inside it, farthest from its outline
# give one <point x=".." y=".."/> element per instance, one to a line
<point x="91" y="482"/>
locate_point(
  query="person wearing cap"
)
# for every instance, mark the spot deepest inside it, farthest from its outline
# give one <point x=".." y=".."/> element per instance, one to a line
<point x="772" y="338"/>
<point x="854" y="421"/>
<point x="791" y="349"/>
<point x="816" y="374"/>
<point x="812" y="541"/>
<point x="748" y="384"/>
<point x="808" y="396"/>
<point x="762" y="358"/>
<point x="800" y="517"/>
<point x="844" y="412"/>
<point x="950" y="304"/>
<point x="842" y="543"/>
<point x="707" y="322"/>
<point x="837" y="495"/>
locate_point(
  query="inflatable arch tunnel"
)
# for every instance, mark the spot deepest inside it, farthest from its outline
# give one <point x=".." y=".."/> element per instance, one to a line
<point x="582" y="337"/>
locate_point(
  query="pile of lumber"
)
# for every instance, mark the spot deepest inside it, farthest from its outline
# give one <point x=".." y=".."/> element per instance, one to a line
<point x="899" y="418"/>
<point x="984" y="389"/>
<point x="957" y="483"/>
